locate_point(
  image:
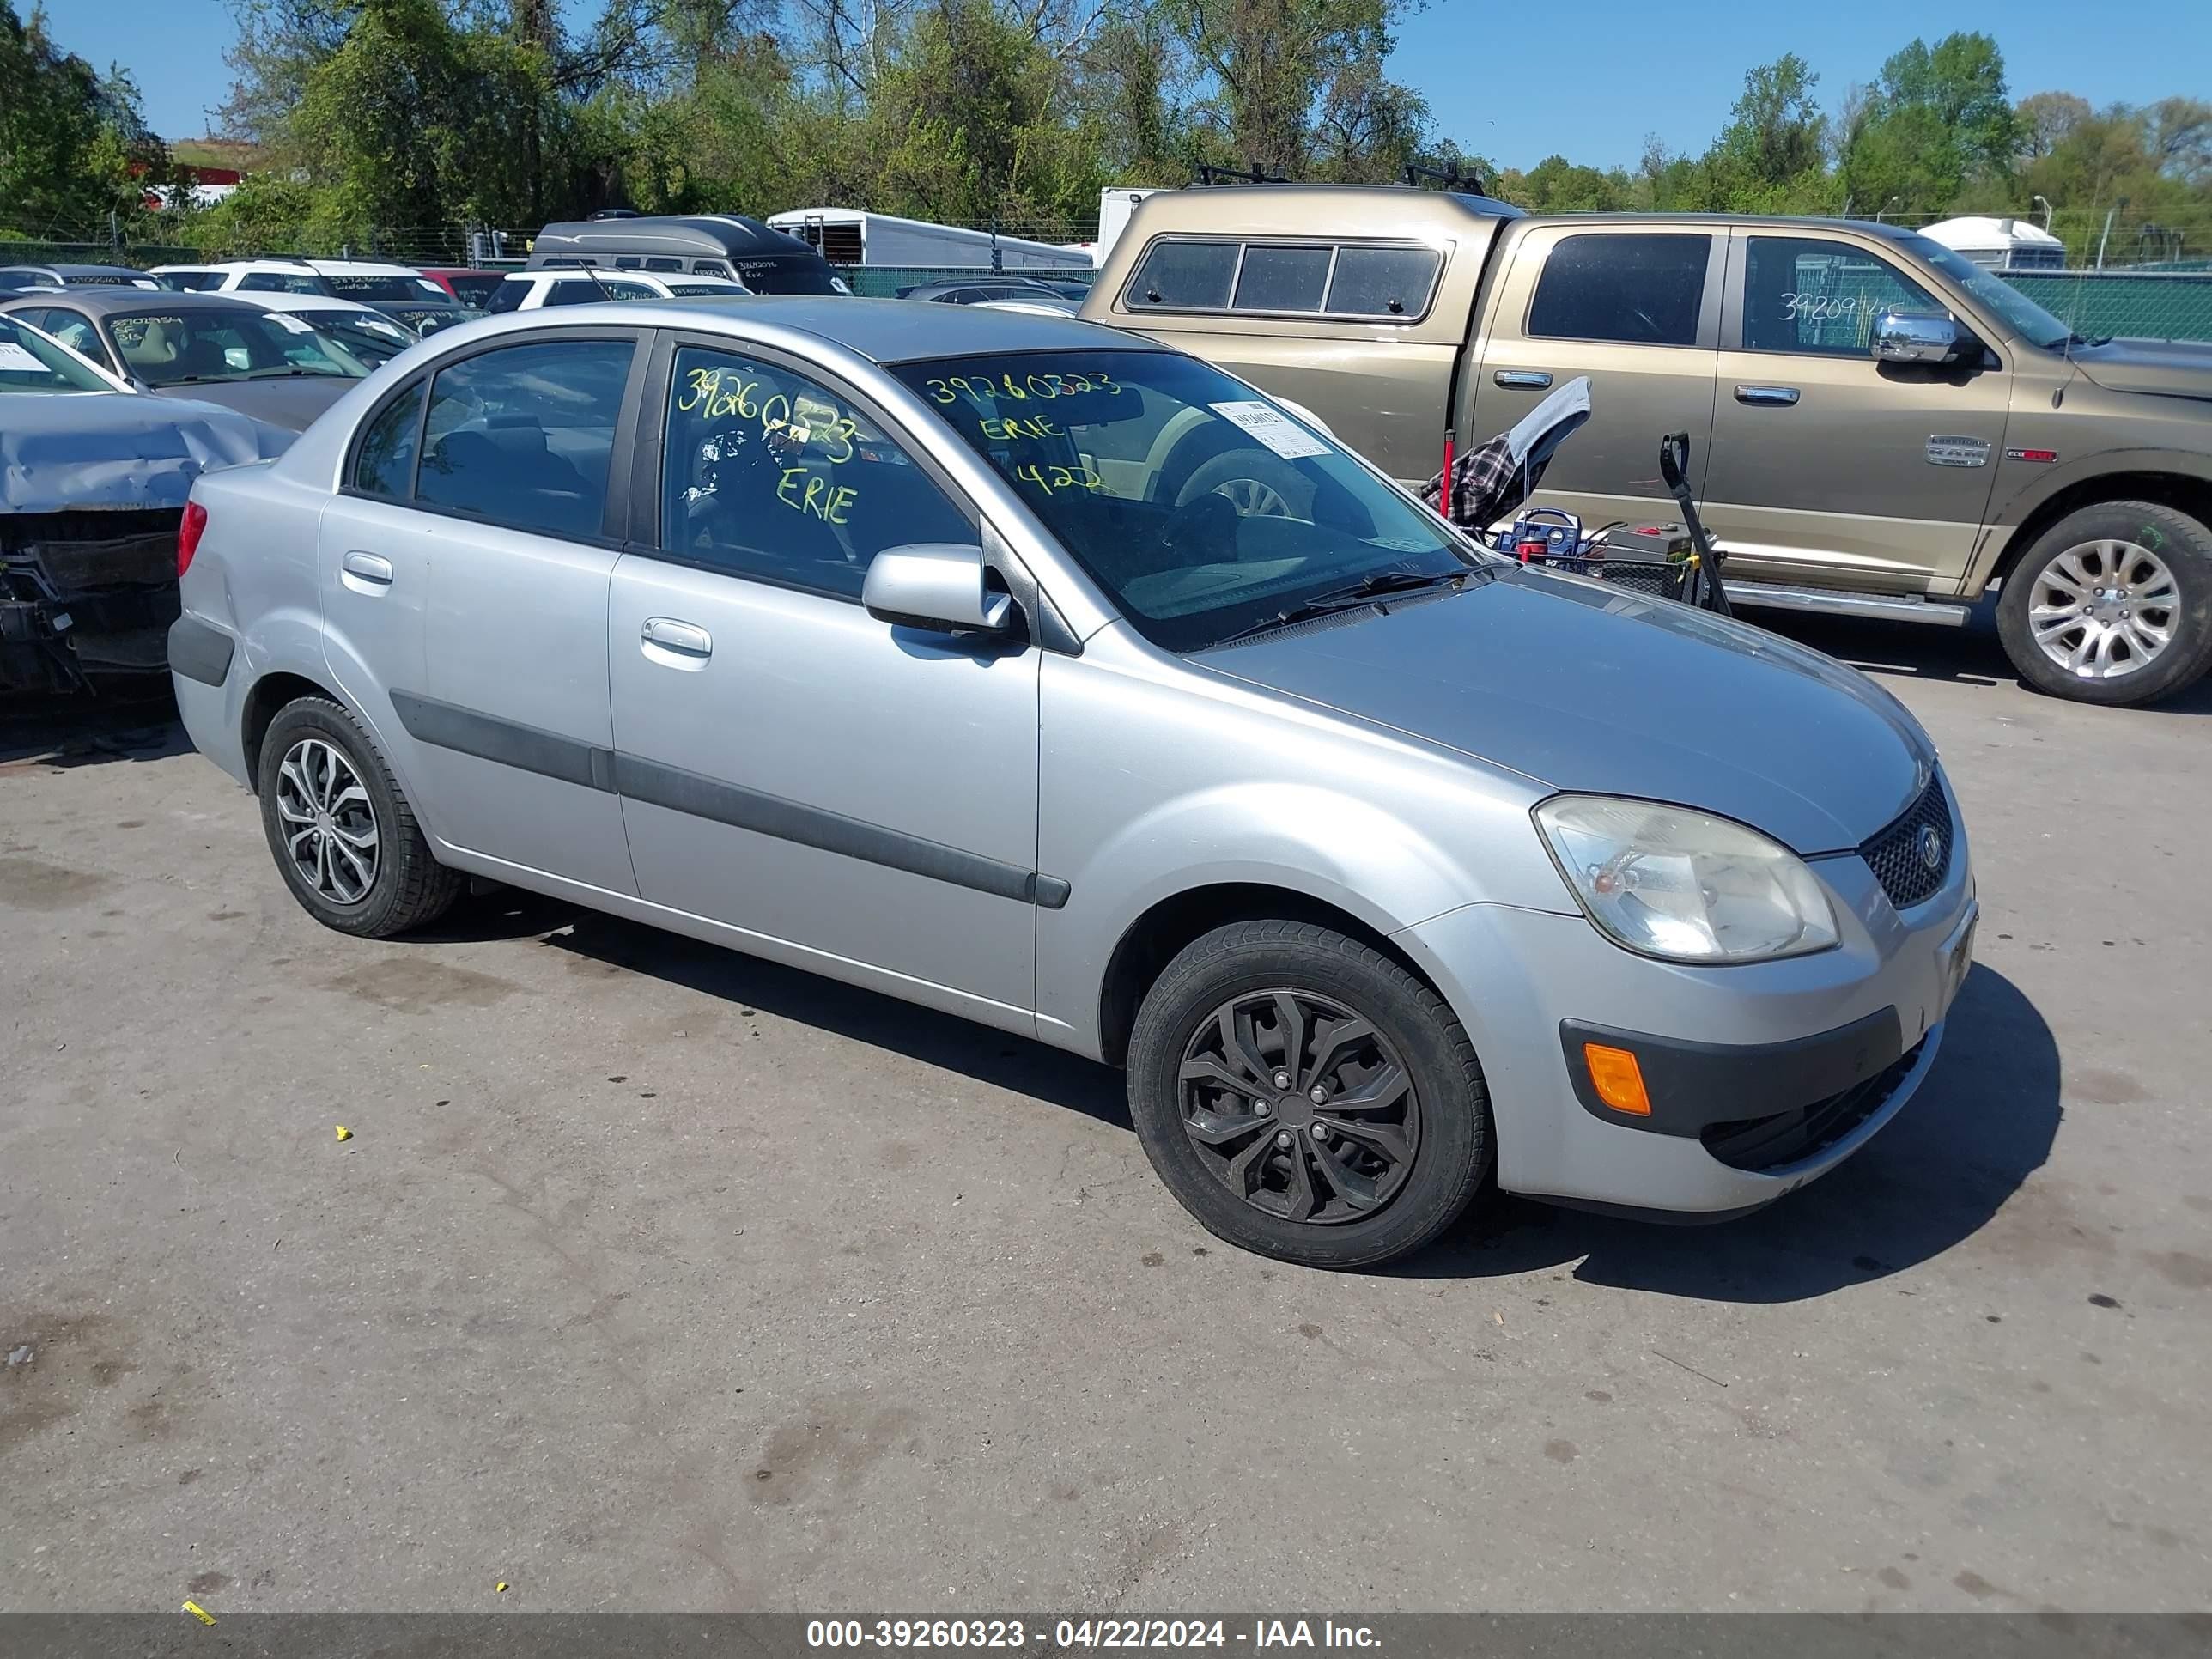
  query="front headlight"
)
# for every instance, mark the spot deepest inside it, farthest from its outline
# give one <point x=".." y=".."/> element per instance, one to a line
<point x="1685" y="885"/>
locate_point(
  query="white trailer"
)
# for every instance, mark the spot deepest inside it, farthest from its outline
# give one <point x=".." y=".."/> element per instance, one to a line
<point x="847" y="236"/>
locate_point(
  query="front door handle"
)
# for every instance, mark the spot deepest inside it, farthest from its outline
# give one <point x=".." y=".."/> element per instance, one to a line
<point x="685" y="639"/>
<point x="1767" y="397"/>
<point x="368" y="567"/>
<point x="1523" y="380"/>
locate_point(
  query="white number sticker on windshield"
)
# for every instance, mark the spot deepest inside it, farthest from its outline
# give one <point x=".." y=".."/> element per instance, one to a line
<point x="17" y="360"/>
<point x="285" y="319"/>
<point x="1274" y="428"/>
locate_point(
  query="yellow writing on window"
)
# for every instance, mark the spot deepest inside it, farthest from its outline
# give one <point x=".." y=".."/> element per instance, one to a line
<point x="1013" y="426"/>
<point x="811" y="493"/>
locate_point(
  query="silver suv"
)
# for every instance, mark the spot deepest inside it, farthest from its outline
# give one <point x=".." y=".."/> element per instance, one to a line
<point x="865" y="636"/>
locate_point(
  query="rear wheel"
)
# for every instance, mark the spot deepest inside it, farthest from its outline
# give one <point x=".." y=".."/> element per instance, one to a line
<point x="343" y="834"/>
<point x="2111" y="605"/>
<point x="1306" y="1097"/>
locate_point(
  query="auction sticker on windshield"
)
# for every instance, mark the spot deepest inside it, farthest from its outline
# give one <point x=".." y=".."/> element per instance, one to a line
<point x="1274" y="428"/>
<point x="12" y="356"/>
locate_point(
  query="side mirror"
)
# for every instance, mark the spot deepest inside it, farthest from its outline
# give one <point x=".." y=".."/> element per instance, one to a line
<point x="938" y="585"/>
<point x="1918" y="337"/>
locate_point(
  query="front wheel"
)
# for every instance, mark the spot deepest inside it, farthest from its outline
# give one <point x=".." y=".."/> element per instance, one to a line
<point x="2113" y="604"/>
<point x="1306" y="1097"/>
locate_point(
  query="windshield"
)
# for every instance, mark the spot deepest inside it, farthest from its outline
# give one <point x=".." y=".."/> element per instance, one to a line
<point x="1202" y="507"/>
<point x="182" y="347"/>
<point x="394" y="286"/>
<point x="473" y="289"/>
<point x="373" y="340"/>
<point x="29" y="363"/>
<point x="428" y="320"/>
<point x="2027" y="319"/>
<point x="800" y="274"/>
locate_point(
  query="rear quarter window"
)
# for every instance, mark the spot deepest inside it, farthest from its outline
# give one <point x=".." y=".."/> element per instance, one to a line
<point x="1634" y="289"/>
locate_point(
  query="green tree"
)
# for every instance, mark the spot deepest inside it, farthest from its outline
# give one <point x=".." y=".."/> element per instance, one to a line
<point x="73" y="148"/>
<point x="1769" y="157"/>
<point x="1936" y="124"/>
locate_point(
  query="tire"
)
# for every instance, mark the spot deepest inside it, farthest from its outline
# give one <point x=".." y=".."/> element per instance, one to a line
<point x="404" y="887"/>
<point x="1254" y="482"/>
<point x="1191" y="1131"/>
<point x="2155" y="553"/>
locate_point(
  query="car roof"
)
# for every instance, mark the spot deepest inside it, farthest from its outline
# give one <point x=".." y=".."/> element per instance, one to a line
<point x="113" y="301"/>
<point x="881" y="331"/>
<point x="66" y="271"/>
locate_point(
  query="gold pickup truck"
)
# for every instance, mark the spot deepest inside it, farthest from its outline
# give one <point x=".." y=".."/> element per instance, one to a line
<point x="1878" y="427"/>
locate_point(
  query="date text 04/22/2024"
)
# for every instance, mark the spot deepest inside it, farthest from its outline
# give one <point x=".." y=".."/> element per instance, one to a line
<point x="1070" y="1634"/>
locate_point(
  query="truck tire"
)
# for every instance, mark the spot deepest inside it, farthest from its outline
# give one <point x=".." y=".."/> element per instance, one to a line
<point x="2111" y="605"/>
<point x="343" y="835"/>
<point x="1306" y="1097"/>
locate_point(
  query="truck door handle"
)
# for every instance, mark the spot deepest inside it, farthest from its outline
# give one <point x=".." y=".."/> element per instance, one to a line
<point x="368" y="567"/>
<point x="1523" y="379"/>
<point x="685" y="639"/>
<point x="1767" y="397"/>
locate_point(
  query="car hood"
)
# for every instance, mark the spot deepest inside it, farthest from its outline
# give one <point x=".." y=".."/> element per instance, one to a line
<point x="2169" y="369"/>
<point x="1586" y="689"/>
<point x="292" y="403"/>
<point x="59" y="451"/>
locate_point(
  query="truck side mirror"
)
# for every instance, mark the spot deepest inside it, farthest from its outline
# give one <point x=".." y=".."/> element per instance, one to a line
<point x="1919" y="337"/>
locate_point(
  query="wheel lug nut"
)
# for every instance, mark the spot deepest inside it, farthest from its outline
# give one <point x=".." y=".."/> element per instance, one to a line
<point x="1321" y="1132"/>
<point x="1318" y="1094"/>
<point x="1261" y="1108"/>
<point x="1282" y="1136"/>
<point x="1282" y="1080"/>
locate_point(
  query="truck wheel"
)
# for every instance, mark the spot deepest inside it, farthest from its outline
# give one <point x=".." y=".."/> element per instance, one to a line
<point x="1257" y="484"/>
<point x="1306" y="1097"/>
<point x="345" y="838"/>
<point x="2111" y="605"/>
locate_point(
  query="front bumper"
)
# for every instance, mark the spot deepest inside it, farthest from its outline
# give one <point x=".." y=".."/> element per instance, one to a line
<point x="1761" y="1076"/>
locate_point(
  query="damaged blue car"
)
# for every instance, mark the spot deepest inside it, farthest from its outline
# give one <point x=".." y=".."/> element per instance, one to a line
<point x="93" y="483"/>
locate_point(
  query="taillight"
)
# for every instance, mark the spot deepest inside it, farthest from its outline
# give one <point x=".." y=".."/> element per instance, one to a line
<point x="189" y="528"/>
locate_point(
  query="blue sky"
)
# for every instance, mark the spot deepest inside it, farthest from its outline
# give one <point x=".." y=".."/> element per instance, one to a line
<point x="1511" y="80"/>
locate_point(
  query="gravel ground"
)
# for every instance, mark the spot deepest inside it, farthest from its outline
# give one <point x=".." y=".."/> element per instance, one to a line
<point x="653" y="1277"/>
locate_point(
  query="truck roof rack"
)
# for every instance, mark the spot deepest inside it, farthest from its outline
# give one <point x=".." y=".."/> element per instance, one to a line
<point x="1210" y="174"/>
<point x="1449" y="176"/>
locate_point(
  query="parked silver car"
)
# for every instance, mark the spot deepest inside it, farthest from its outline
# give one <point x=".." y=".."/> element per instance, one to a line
<point x="894" y="642"/>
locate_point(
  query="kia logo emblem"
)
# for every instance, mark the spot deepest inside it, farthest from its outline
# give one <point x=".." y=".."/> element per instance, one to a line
<point x="1932" y="848"/>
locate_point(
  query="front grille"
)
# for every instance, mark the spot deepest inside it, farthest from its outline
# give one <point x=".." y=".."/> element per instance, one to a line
<point x="1899" y="855"/>
<point x="1770" y="1143"/>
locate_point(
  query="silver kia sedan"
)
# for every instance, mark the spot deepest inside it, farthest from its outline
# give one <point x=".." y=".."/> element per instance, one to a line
<point x="1025" y="670"/>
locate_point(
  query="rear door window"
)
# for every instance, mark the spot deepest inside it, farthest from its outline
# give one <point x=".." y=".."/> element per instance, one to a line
<point x="522" y="436"/>
<point x="1636" y="290"/>
<point x="1185" y="275"/>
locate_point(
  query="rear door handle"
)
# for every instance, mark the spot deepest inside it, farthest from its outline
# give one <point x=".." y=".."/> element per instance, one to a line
<point x="1523" y="379"/>
<point x="1768" y="396"/>
<point x="685" y="639"/>
<point x="368" y="567"/>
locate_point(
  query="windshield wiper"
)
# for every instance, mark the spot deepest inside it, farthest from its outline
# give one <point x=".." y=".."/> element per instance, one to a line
<point x="1380" y="584"/>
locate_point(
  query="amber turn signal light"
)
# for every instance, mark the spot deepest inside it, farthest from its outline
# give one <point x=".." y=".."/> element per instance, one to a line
<point x="1619" y="1081"/>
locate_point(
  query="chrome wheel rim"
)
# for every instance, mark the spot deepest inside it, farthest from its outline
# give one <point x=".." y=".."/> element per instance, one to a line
<point x="2103" y="610"/>
<point x="329" y="825"/>
<point x="1299" y="1107"/>
<point x="1253" y="499"/>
